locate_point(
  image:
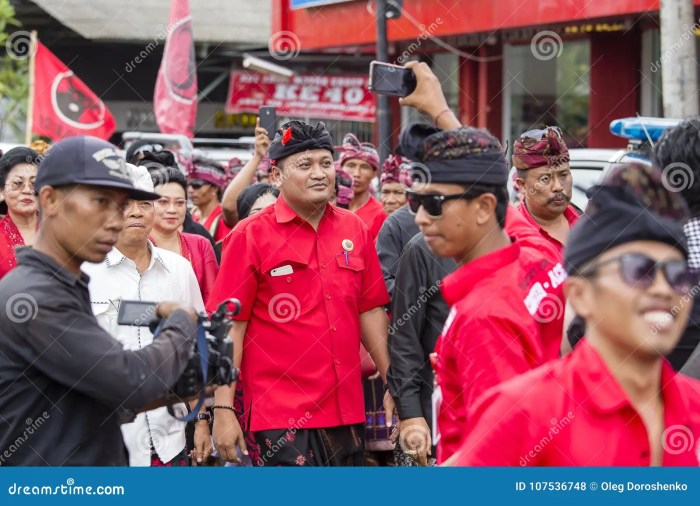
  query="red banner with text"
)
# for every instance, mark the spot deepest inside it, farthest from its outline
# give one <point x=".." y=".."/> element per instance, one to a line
<point x="325" y="97"/>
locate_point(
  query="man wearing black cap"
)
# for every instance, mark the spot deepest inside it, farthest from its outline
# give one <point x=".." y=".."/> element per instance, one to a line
<point x="614" y="400"/>
<point x="309" y="280"/>
<point x="57" y="365"/>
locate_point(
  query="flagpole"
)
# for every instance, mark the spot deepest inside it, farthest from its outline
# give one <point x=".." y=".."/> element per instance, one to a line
<point x="30" y="99"/>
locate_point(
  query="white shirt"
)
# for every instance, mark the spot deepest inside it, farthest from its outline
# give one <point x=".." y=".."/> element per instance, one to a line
<point x="168" y="277"/>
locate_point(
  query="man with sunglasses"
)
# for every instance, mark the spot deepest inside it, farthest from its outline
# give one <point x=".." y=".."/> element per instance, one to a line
<point x="505" y="296"/>
<point x="541" y="159"/>
<point x="614" y="400"/>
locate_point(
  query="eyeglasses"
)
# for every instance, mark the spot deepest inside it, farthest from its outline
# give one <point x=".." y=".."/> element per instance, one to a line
<point x="431" y="202"/>
<point x="18" y="184"/>
<point x="639" y="271"/>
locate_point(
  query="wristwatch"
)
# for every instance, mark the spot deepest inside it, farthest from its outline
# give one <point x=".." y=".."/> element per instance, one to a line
<point x="203" y="416"/>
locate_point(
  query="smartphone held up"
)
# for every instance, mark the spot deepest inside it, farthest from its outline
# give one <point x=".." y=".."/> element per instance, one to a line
<point x="268" y="120"/>
<point x="391" y="80"/>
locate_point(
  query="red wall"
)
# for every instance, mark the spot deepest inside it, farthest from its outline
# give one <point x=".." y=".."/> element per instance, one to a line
<point x="351" y="23"/>
<point x="615" y="84"/>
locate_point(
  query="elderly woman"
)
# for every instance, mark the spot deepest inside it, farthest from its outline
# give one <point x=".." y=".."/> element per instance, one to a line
<point x="396" y="177"/>
<point x="18" y="168"/>
<point x="170" y="210"/>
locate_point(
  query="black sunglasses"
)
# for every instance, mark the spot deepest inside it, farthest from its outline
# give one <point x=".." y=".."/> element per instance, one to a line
<point x="431" y="202"/>
<point x="196" y="184"/>
<point x="638" y="270"/>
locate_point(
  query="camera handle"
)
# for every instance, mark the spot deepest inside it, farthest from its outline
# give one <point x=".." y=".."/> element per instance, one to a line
<point x="204" y="363"/>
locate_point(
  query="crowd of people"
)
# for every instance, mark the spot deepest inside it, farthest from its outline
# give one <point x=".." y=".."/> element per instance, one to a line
<point x="430" y="320"/>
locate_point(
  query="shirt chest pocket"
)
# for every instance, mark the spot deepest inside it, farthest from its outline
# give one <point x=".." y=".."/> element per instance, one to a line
<point x="348" y="280"/>
<point x="291" y="290"/>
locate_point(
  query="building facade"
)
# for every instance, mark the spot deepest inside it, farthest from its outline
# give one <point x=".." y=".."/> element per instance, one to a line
<point x="510" y="65"/>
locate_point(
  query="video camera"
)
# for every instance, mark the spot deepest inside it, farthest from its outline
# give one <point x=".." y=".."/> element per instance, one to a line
<point x="219" y="347"/>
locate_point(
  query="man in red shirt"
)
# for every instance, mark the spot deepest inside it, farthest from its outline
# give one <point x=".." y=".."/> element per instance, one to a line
<point x="613" y="401"/>
<point x="361" y="161"/>
<point x="309" y="281"/>
<point x="544" y="179"/>
<point x="206" y="182"/>
<point x="505" y="296"/>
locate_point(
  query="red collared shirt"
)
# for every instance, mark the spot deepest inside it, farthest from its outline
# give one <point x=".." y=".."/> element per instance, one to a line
<point x="215" y="224"/>
<point x="573" y="412"/>
<point x="302" y="299"/>
<point x="507" y="313"/>
<point x="570" y="214"/>
<point x="373" y="214"/>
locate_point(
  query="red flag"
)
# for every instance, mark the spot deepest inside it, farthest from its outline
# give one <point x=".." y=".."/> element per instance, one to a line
<point x="63" y="105"/>
<point x="175" y="100"/>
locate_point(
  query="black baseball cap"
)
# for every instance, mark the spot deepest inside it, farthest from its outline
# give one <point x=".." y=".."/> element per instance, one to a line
<point x="90" y="161"/>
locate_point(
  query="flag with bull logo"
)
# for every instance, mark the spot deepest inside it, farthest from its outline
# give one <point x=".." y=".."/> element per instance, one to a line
<point x="63" y="104"/>
<point x="175" y="100"/>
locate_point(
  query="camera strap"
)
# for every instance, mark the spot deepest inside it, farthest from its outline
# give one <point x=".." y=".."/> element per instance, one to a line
<point x="203" y="349"/>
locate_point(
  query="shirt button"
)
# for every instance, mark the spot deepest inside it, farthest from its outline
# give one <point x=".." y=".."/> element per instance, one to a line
<point x="333" y="327"/>
<point x="328" y="296"/>
<point x="337" y="362"/>
<point x="289" y="280"/>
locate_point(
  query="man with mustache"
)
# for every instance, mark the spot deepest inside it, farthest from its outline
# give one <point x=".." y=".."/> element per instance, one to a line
<point x="541" y="159"/>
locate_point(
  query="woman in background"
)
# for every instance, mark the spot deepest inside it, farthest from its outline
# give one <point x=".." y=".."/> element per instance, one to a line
<point x="170" y="209"/>
<point x="18" y="168"/>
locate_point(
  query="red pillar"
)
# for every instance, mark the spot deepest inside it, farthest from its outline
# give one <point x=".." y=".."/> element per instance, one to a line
<point x="494" y="96"/>
<point x="468" y="76"/>
<point x="480" y="100"/>
<point x="615" y="83"/>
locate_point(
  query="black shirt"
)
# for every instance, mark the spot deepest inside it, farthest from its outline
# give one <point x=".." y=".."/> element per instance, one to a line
<point x="395" y="233"/>
<point x="418" y="313"/>
<point x="63" y="379"/>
